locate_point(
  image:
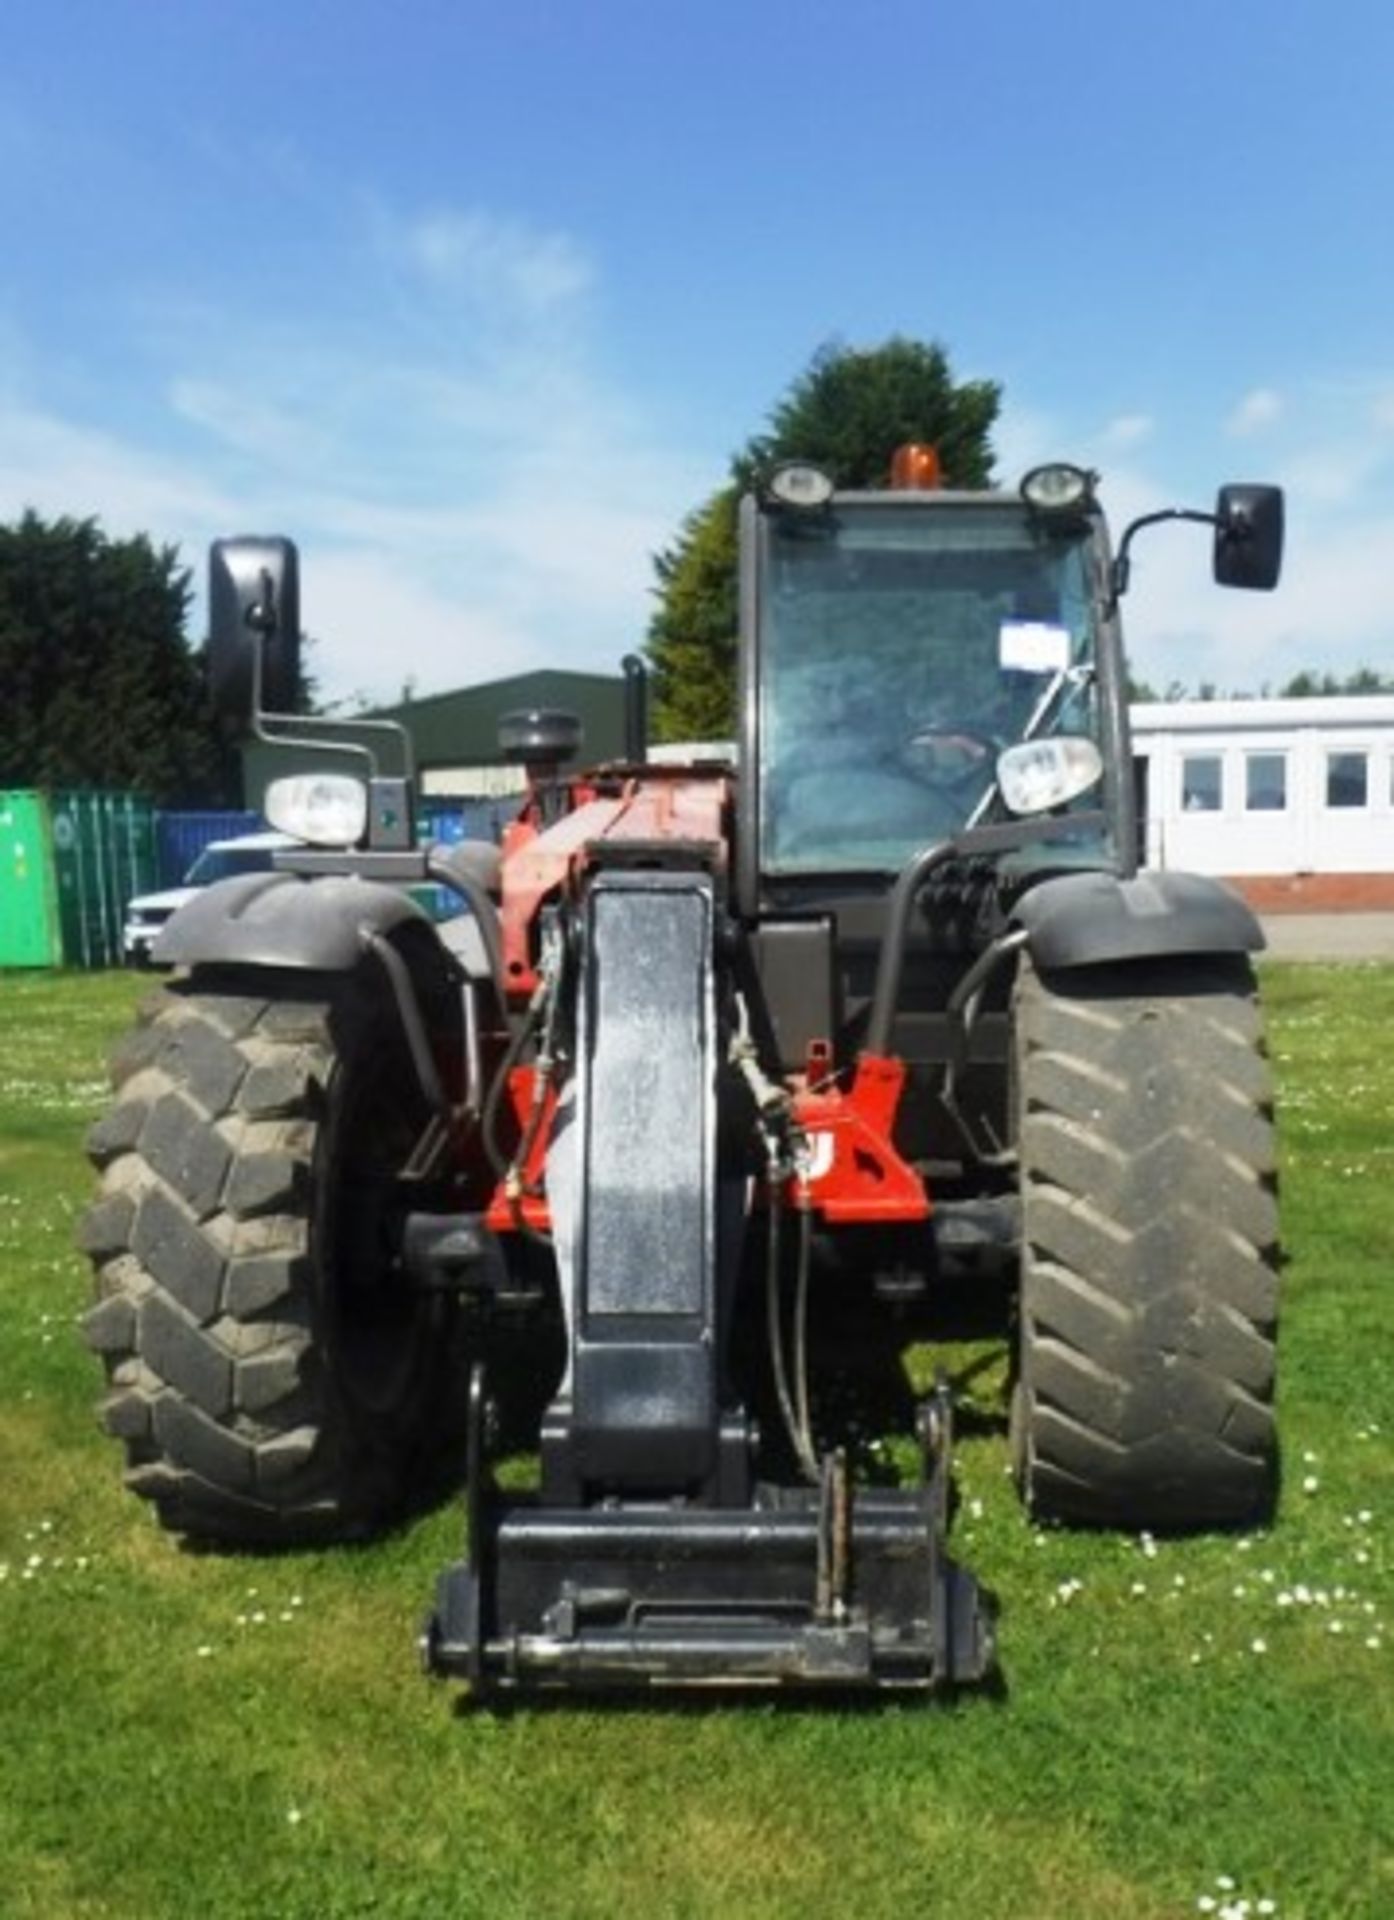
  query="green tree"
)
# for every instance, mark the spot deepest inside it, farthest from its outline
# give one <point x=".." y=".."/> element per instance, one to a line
<point x="1303" y="685"/>
<point x="692" y="637"/>
<point x="1306" y="684"/>
<point x="1366" y="680"/>
<point x="847" y="413"/>
<point x="854" y="406"/>
<point x="101" y="687"/>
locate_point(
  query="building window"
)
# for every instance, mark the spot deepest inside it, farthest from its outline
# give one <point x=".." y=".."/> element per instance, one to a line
<point x="1347" y="779"/>
<point x="1200" y="783"/>
<point x="1265" y="783"/>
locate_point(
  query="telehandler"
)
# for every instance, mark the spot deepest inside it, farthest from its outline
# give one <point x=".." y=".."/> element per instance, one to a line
<point x="718" y="1066"/>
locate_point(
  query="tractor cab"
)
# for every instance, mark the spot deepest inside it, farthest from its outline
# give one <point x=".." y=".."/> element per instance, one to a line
<point x="933" y="724"/>
<point x="900" y="643"/>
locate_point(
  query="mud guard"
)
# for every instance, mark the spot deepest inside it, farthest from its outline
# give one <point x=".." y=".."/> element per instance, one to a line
<point x="284" y="920"/>
<point x="1089" y="919"/>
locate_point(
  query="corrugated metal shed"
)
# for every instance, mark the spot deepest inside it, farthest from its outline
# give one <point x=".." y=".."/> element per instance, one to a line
<point x="461" y="728"/>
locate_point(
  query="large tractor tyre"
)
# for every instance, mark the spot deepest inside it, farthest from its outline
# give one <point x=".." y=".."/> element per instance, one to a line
<point x="270" y="1375"/>
<point x="1148" y="1310"/>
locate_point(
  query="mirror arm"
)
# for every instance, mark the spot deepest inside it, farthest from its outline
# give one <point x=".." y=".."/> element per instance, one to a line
<point x="1122" y="564"/>
<point x="262" y="619"/>
<point x="263" y="733"/>
<point x="257" y="618"/>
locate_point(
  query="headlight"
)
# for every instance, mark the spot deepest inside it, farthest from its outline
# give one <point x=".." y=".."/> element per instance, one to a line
<point x="798" y="484"/>
<point x="1058" y="488"/>
<point x="1037" y="775"/>
<point x="326" y="809"/>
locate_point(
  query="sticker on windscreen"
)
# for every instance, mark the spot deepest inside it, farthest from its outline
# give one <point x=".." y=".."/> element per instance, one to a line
<point x="1033" y="646"/>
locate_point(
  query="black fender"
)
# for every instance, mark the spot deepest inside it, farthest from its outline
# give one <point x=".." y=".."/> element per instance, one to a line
<point x="1087" y="919"/>
<point x="285" y="920"/>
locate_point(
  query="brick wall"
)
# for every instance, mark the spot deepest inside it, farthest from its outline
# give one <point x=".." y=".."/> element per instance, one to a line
<point x="1316" y="892"/>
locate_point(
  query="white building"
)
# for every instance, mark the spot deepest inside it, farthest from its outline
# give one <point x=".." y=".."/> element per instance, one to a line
<point x="1295" y="796"/>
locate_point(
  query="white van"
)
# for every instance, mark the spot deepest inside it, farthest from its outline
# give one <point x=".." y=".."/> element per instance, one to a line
<point x="220" y="860"/>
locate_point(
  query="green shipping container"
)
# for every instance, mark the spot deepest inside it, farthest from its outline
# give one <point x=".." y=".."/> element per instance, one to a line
<point x="103" y="855"/>
<point x="69" y="862"/>
<point x="30" y="934"/>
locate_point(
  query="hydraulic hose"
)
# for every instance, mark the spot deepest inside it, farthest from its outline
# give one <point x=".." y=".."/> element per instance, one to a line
<point x="801" y="1404"/>
<point x="498" y="1087"/>
<point x="486" y="915"/>
<point x="798" y="1439"/>
<point x="409" y="1013"/>
<point x="891" y="962"/>
<point x="963" y="1007"/>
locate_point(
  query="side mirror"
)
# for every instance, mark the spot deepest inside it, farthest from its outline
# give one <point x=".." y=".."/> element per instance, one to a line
<point x="1248" y="536"/>
<point x="253" y="626"/>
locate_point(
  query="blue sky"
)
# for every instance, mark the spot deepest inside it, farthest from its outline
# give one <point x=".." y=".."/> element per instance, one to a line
<point x="475" y="300"/>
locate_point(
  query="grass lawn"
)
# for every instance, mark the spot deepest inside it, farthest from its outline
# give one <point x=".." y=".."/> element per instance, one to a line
<point x="188" y="1733"/>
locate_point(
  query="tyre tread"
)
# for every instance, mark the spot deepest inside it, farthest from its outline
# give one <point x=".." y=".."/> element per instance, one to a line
<point x="1149" y="1291"/>
<point x="200" y="1244"/>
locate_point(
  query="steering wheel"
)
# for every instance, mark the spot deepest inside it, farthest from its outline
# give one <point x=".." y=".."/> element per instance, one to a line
<point x="949" y="757"/>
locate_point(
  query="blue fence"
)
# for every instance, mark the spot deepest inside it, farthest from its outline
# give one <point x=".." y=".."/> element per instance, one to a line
<point x="451" y="821"/>
<point x="181" y="837"/>
<point x="447" y="823"/>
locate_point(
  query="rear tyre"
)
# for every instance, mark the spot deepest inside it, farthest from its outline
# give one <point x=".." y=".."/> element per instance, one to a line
<point x="1147" y="1324"/>
<point x="268" y="1373"/>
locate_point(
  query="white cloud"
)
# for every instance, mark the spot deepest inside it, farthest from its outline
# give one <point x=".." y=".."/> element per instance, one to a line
<point x="499" y="261"/>
<point x="1333" y="608"/>
<point x="62" y="468"/>
<point x="1128" y="430"/>
<point x="1345" y="455"/>
<point x="471" y="498"/>
<point x="1261" y="408"/>
<point x="377" y="624"/>
<point x="1023" y="438"/>
<point x="249" y="425"/>
<point x="465" y="592"/>
<point x="1332" y="475"/>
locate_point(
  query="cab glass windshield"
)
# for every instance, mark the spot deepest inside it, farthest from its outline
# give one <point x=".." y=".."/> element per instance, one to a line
<point x="901" y="648"/>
